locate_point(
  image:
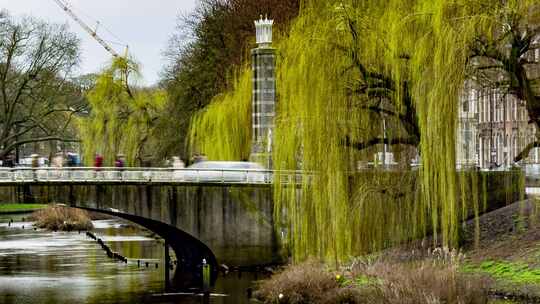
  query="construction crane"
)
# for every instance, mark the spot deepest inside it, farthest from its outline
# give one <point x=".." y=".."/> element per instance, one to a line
<point x="92" y="33"/>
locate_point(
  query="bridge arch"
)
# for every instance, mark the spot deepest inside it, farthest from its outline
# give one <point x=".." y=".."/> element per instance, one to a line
<point x="189" y="250"/>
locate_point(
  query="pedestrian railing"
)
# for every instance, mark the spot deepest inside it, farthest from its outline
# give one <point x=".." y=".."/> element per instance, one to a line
<point x="157" y="175"/>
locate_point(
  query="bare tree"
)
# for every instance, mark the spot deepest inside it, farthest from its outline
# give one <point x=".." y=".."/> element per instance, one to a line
<point x="507" y="61"/>
<point x="37" y="98"/>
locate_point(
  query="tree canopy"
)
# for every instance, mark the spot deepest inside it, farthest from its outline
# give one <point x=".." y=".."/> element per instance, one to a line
<point x="38" y="97"/>
<point x="122" y="120"/>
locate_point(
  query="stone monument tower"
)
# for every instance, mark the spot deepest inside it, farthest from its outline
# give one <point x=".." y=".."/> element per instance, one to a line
<point x="264" y="93"/>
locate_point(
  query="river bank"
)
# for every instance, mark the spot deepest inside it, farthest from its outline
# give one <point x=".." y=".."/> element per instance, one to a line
<point x="20" y="208"/>
<point x="498" y="263"/>
<point x="508" y="250"/>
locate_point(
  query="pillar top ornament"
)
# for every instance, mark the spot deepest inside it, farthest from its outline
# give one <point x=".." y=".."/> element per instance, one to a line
<point x="263" y="28"/>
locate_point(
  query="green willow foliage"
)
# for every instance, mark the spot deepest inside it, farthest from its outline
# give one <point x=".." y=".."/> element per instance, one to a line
<point x="418" y="50"/>
<point x="121" y="120"/>
<point x="420" y="45"/>
<point x="222" y="130"/>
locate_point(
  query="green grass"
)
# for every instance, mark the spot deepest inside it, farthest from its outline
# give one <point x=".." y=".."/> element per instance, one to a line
<point x="6" y="208"/>
<point x="515" y="272"/>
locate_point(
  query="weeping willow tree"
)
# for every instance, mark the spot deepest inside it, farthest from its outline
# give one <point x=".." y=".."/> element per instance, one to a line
<point x="404" y="61"/>
<point x="222" y="131"/>
<point x="353" y="76"/>
<point x="121" y="120"/>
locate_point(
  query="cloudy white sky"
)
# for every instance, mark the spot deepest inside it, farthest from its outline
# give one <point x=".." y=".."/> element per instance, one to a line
<point x="145" y="25"/>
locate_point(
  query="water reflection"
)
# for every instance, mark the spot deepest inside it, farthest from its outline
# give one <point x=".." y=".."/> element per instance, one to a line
<point x="38" y="266"/>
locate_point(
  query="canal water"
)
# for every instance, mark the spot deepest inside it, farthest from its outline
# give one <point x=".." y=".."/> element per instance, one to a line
<point x="38" y="266"/>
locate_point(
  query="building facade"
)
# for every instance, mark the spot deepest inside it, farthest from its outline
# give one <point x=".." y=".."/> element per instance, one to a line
<point x="494" y="127"/>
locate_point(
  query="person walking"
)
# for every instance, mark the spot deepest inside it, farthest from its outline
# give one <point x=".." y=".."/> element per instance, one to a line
<point x="177" y="162"/>
<point x="9" y="161"/>
<point x="58" y="160"/>
<point x="34" y="164"/>
<point x="119" y="163"/>
<point x="98" y="161"/>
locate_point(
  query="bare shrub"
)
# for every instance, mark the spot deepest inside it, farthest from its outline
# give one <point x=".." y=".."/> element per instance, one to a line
<point x="434" y="279"/>
<point x="308" y="282"/>
<point x="56" y="217"/>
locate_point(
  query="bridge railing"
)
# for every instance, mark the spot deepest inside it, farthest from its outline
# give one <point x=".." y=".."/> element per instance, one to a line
<point x="132" y="174"/>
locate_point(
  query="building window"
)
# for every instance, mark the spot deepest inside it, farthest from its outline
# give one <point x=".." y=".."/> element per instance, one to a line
<point x="474" y="99"/>
<point x="507" y="109"/>
<point x="487" y="105"/>
<point x="514" y="109"/>
<point x="490" y="107"/>
<point x="481" y="109"/>
<point x="515" y="144"/>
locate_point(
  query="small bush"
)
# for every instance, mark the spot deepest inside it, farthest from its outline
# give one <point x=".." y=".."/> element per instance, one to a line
<point x="62" y="218"/>
<point x="305" y="283"/>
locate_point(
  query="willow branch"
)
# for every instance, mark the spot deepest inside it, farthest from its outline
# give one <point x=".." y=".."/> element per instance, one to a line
<point x="525" y="152"/>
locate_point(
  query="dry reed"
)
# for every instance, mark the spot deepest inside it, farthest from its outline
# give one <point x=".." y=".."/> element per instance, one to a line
<point x="57" y="217"/>
<point x="430" y="280"/>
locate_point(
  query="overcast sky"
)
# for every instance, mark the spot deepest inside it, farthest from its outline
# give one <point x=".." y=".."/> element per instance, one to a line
<point x="145" y="25"/>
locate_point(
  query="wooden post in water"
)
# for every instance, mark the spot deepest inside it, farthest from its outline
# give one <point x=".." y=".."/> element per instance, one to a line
<point x="206" y="281"/>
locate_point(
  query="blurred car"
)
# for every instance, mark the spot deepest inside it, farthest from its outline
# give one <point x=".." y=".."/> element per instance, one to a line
<point x="223" y="171"/>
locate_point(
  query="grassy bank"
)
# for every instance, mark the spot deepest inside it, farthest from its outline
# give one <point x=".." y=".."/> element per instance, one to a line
<point x="18" y="208"/>
<point x="56" y="217"/>
<point x="508" y="251"/>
